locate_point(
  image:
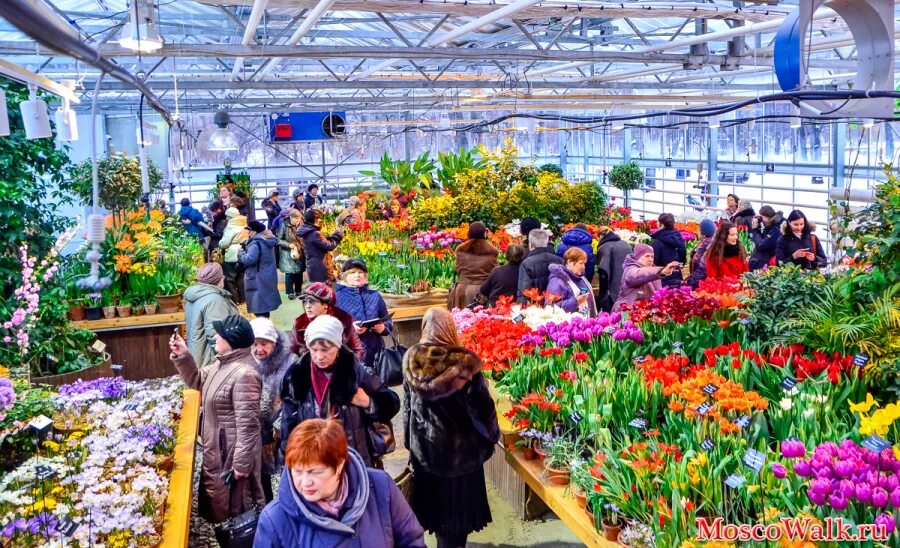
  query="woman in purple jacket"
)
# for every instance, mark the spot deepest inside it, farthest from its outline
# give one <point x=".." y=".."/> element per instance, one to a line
<point x="640" y="279"/>
<point x="329" y="499"/>
<point x="568" y="282"/>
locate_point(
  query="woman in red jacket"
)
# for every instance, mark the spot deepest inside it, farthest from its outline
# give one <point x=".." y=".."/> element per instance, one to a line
<point x="726" y="257"/>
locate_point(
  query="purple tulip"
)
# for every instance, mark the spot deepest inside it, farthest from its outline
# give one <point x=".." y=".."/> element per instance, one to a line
<point x="847" y="488"/>
<point x="778" y="470"/>
<point x="821" y="487"/>
<point x="879" y="497"/>
<point x="802" y="468"/>
<point x="843" y="469"/>
<point x="793" y="449"/>
<point x="893" y="483"/>
<point x="837" y="501"/>
<point x="816" y="498"/>
<point x="886" y="521"/>
<point x="863" y="493"/>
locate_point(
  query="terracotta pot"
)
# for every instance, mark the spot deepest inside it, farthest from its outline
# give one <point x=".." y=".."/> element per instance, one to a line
<point x="558" y="477"/>
<point x="166" y="463"/>
<point x="137" y="310"/>
<point x="75" y="313"/>
<point x="150" y="309"/>
<point x="124" y="311"/>
<point x="109" y="312"/>
<point x="168" y="304"/>
<point x="93" y="313"/>
<point x="528" y="452"/>
<point x="611" y="532"/>
<point x="580" y="500"/>
<point x="540" y="453"/>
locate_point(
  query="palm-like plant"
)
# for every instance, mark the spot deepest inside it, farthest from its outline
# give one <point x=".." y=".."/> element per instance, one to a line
<point x="453" y="163"/>
<point x="405" y="174"/>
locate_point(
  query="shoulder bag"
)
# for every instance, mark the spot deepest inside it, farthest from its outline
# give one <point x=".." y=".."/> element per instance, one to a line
<point x="239" y="531"/>
<point x="388" y="363"/>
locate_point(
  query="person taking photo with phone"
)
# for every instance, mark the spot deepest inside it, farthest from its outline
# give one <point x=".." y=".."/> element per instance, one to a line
<point x="641" y="279"/>
<point x="799" y="245"/>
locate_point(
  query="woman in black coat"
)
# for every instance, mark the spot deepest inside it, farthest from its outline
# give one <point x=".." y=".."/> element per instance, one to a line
<point x="503" y="280"/>
<point x="329" y="382"/>
<point x="316" y="246"/>
<point x="799" y="245"/>
<point x="450" y="427"/>
<point x="668" y="246"/>
<point x="765" y="233"/>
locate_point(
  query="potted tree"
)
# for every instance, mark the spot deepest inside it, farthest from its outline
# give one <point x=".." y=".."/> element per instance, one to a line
<point x="626" y="177"/>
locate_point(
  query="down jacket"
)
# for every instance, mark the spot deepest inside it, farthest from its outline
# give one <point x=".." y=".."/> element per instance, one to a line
<point x="559" y="285"/>
<point x="315" y="247"/>
<point x="534" y="272"/>
<point x="272" y="371"/>
<point x="582" y="239"/>
<point x="365" y="304"/>
<point x="668" y="246"/>
<point x="232" y="237"/>
<point x="638" y="282"/>
<point x="204" y="304"/>
<point x="612" y="252"/>
<point x="230" y="391"/>
<point x="298" y="401"/>
<point x="261" y="275"/>
<point x="475" y="259"/>
<point x="375" y="515"/>
<point x="449" y="420"/>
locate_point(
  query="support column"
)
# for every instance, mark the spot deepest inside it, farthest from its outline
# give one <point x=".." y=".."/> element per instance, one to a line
<point x="712" y="160"/>
<point x="838" y="149"/>
<point x="563" y="153"/>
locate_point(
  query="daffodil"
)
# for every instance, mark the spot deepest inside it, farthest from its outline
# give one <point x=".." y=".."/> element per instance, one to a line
<point x="864" y="407"/>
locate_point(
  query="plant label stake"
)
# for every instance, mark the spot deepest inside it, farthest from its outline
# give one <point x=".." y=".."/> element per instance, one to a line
<point x="707" y="445"/>
<point x="875" y="443"/>
<point x="551" y="391"/>
<point x="735" y="480"/>
<point x="116" y="369"/>
<point x="754" y="459"/>
<point x="710" y="389"/>
<point x="576" y="417"/>
<point x="704" y="408"/>
<point x="861" y="359"/>
<point x="743" y="421"/>
<point x="640" y="359"/>
<point x="638" y="423"/>
<point x="43" y="473"/>
<point x="40" y="425"/>
<point x="67" y="527"/>
<point x="788" y="384"/>
<point x="519" y="319"/>
<point x="98" y="346"/>
<point x="744" y="321"/>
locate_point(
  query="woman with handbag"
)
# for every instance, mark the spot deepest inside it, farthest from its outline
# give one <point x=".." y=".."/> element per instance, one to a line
<point x="450" y="427"/>
<point x="290" y="254"/>
<point x="329" y="382"/>
<point x="230" y="391"/>
<point x="364" y="304"/>
<point x="799" y="245"/>
<point x="328" y="498"/>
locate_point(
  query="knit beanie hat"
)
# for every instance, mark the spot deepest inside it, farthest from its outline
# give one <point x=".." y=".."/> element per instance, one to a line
<point x="320" y="291"/>
<point x="707" y="228"/>
<point x="210" y="273"/>
<point x="232" y="212"/>
<point x="236" y="330"/>
<point x="640" y="250"/>
<point x="263" y="328"/>
<point x="326" y="328"/>
<point x="527" y="225"/>
<point x="477" y="231"/>
<point x="354" y="264"/>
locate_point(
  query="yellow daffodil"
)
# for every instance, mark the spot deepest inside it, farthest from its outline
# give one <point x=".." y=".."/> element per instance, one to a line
<point x="864" y="407"/>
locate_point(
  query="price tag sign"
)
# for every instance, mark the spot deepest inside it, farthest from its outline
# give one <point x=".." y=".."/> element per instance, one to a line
<point x="875" y="443"/>
<point x="519" y="319"/>
<point x="640" y="424"/>
<point x="743" y="421"/>
<point x="43" y="473"/>
<point x="551" y="390"/>
<point x="677" y="344"/>
<point x="704" y="408"/>
<point x="744" y="321"/>
<point x="610" y="330"/>
<point x="130" y="407"/>
<point x="710" y="389"/>
<point x="67" y="527"/>
<point x="40" y="423"/>
<point x="754" y="459"/>
<point x="576" y="417"/>
<point x="788" y="384"/>
<point x="707" y="444"/>
<point x="98" y="346"/>
<point x="861" y="359"/>
<point x="734" y="481"/>
<point x="640" y="359"/>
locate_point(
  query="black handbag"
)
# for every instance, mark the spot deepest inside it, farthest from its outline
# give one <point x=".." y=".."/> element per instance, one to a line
<point x="239" y="531"/>
<point x="389" y="363"/>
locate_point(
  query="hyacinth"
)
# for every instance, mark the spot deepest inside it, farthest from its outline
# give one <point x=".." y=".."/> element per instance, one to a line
<point x="584" y="330"/>
<point x="104" y="388"/>
<point x="677" y="304"/>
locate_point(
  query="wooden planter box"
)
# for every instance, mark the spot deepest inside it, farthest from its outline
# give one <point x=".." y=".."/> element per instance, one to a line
<point x="96" y="372"/>
<point x="433" y="297"/>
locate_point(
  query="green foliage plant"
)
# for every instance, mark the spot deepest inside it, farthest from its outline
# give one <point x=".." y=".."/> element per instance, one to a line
<point x="626" y="176"/>
<point x="405" y="174"/>
<point x="120" y="181"/>
<point x="452" y="163"/>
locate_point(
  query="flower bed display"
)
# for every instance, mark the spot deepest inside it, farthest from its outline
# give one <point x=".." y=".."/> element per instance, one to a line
<point x="101" y="475"/>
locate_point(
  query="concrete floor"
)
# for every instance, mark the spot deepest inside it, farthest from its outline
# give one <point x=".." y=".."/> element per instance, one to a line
<point x="507" y="529"/>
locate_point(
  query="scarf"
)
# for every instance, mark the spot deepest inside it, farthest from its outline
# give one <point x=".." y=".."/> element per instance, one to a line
<point x="321" y="378"/>
<point x="732" y="250"/>
<point x="333" y="507"/>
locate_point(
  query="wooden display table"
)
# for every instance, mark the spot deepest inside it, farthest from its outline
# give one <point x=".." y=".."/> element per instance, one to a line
<point x="139" y="343"/>
<point x="177" y="523"/>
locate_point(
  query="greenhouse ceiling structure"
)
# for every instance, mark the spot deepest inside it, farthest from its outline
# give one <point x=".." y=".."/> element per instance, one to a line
<point x="549" y="56"/>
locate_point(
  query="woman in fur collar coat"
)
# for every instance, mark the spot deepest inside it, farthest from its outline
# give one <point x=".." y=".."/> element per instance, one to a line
<point x="450" y="427"/>
<point x="475" y="258"/>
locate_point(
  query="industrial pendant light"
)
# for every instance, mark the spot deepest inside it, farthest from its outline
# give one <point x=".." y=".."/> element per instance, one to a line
<point x="140" y="33"/>
<point x="715" y="122"/>
<point x="4" y="115"/>
<point x="222" y="140"/>
<point x="66" y="122"/>
<point x="794" y="120"/>
<point x="35" y="116"/>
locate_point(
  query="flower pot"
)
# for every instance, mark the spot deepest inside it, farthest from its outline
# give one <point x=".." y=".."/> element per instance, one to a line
<point x="137" y="310"/>
<point x="528" y="452"/>
<point x="580" y="499"/>
<point x="540" y="453"/>
<point x="109" y="312"/>
<point x="75" y="313"/>
<point x="93" y="313"/>
<point x="168" y="304"/>
<point x="558" y="477"/>
<point x="150" y="309"/>
<point x="124" y="311"/>
<point x="611" y="532"/>
<point x="91" y="373"/>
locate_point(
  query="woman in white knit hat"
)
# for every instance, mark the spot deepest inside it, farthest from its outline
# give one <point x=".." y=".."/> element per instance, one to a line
<point x="329" y="382"/>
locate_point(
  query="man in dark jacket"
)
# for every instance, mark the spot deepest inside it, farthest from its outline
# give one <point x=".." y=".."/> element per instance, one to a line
<point x="272" y="208"/>
<point x="611" y="256"/>
<point x="257" y="254"/>
<point x="668" y="246"/>
<point x="526" y="225"/>
<point x="316" y="246"/>
<point x="192" y="219"/>
<point x="765" y="236"/>
<point x="312" y="198"/>
<point x="582" y="239"/>
<point x="534" y="272"/>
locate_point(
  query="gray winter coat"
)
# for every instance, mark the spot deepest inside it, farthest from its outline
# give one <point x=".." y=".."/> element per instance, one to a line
<point x="286" y="237"/>
<point x="261" y="276"/>
<point x="204" y="304"/>
<point x="610" y="258"/>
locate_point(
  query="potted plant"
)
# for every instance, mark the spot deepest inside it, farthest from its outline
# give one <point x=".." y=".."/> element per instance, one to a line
<point x="626" y="177"/>
<point x="108" y="300"/>
<point x="593" y="508"/>
<point x="612" y="526"/>
<point x="120" y="181"/>
<point x="92" y="306"/>
<point x="637" y="535"/>
<point x="582" y="482"/>
<point x="149" y="306"/>
<point x="563" y="452"/>
<point x="124" y="306"/>
<point x="171" y="281"/>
